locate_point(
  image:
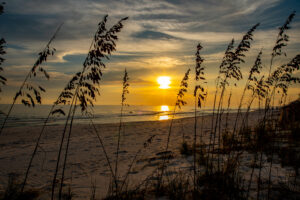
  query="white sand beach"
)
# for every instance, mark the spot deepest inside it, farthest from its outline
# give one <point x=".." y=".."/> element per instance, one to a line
<point x="86" y="161"/>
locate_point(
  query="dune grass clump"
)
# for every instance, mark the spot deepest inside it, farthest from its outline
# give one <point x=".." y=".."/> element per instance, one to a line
<point x="179" y="102"/>
<point x="2" y="52"/>
<point x="80" y="90"/>
<point x="30" y="92"/>
<point x="229" y="69"/>
<point x="221" y="178"/>
<point x="199" y="96"/>
<point x="83" y="89"/>
<point x="250" y="85"/>
<point x="124" y="92"/>
<point x="260" y="140"/>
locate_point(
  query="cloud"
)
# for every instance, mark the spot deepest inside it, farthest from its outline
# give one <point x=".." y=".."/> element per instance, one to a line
<point x="160" y="36"/>
<point x="152" y="35"/>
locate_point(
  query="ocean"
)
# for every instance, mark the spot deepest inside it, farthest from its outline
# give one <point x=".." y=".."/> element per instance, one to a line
<point x="25" y="116"/>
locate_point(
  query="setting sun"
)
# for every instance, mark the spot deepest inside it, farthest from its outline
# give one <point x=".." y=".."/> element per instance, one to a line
<point x="164" y="108"/>
<point x="164" y="82"/>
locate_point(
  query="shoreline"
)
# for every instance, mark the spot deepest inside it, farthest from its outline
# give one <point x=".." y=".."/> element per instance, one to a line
<point x="23" y="116"/>
<point x="78" y="121"/>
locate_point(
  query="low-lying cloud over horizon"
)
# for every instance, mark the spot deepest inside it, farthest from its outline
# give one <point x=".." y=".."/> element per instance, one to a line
<point x="159" y="39"/>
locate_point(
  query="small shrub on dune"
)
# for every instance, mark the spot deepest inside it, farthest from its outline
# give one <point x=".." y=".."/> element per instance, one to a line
<point x="13" y="191"/>
<point x="68" y="195"/>
<point x="246" y="134"/>
<point x="185" y="149"/>
<point x="138" y="194"/>
<point x="220" y="185"/>
<point x="227" y="141"/>
<point x="295" y="133"/>
<point x="285" y="191"/>
<point x="290" y="156"/>
<point x="178" y="188"/>
<point x="263" y="137"/>
<point x="201" y="156"/>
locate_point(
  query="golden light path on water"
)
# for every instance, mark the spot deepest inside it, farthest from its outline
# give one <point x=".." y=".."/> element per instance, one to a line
<point x="164" y="108"/>
<point x="163" y="117"/>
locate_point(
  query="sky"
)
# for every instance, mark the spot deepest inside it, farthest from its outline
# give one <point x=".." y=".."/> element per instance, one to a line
<point x="158" y="39"/>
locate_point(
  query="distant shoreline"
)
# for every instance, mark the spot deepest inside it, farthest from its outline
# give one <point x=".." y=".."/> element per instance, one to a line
<point x="128" y="123"/>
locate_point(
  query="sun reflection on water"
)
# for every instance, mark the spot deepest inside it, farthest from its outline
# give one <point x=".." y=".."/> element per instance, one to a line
<point x="164" y="108"/>
<point x="163" y="117"/>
